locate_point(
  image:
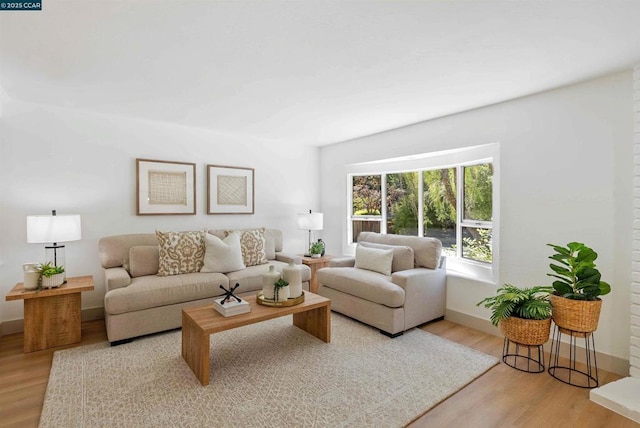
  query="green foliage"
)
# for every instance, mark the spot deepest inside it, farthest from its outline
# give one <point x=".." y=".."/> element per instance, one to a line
<point x="478" y="248"/>
<point x="478" y="192"/>
<point x="367" y="191"/>
<point x="48" y="269"/>
<point x="316" y="248"/>
<point x="402" y="203"/>
<point x="511" y="301"/>
<point x="280" y="283"/>
<point x="576" y="273"/>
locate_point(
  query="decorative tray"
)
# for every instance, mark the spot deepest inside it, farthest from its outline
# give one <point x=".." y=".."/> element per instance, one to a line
<point x="289" y="302"/>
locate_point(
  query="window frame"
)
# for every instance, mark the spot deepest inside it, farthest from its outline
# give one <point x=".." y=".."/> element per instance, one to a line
<point x="459" y="159"/>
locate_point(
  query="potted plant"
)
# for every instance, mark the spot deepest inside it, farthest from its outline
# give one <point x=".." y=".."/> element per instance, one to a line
<point x="316" y="249"/>
<point x="277" y="286"/>
<point x="578" y="285"/>
<point x="50" y="275"/>
<point x="523" y="314"/>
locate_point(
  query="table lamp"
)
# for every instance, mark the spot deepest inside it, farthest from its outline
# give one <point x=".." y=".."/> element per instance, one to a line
<point x="310" y="221"/>
<point x="45" y="229"/>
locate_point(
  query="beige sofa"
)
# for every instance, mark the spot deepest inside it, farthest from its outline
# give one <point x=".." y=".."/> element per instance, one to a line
<point x="138" y="302"/>
<point x="409" y="293"/>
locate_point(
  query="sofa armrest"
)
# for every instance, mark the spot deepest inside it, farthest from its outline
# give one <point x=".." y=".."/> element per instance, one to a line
<point x="425" y="293"/>
<point x="342" y="262"/>
<point x="116" y="278"/>
<point x="285" y="257"/>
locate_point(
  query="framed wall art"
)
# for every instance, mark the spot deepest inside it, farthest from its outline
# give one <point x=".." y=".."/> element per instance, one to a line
<point x="230" y="190"/>
<point x="165" y="187"/>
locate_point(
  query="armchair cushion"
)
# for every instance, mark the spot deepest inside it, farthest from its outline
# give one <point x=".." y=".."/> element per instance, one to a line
<point x="366" y="284"/>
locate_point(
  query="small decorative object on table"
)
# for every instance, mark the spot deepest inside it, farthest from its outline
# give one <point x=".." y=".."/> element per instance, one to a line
<point x="231" y="304"/>
<point x="31" y="276"/>
<point x="293" y="275"/>
<point x="317" y="249"/>
<point x="276" y="291"/>
<point x="50" y="276"/>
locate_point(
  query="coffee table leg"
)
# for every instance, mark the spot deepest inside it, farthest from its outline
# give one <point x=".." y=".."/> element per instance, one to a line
<point x="316" y="322"/>
<point x="195" y="349"/>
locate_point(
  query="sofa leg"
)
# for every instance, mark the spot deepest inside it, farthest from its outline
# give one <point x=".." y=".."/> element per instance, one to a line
<point x="391" y="335"/>
<point x="122" y="342"/>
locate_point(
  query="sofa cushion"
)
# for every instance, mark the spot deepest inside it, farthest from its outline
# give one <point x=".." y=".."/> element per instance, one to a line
<point x="402" y="255"/>
<point x="144" y="260"/>
<point x="222" y="255"/>
<point x="153" y="291"/>
<point x="180" y="252"/>
<point x="366" y="284"/>
<point x="273" y="238"/>
<point x="426" y="251"/>
<point x="253" y="243"/>
<point x="374" y="259"/>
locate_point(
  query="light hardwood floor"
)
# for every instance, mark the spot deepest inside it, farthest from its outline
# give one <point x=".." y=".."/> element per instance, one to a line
<point x="502" y="397"/>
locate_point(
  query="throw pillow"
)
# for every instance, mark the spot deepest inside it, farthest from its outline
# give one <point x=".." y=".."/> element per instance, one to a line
<point x="143" y="260"/>
<point x="374" y="259"/>
<point x="402" y="255"/>
<point x="180" y="252"/>
<point x="222" y="256"/>
<point x="253" y="246"/>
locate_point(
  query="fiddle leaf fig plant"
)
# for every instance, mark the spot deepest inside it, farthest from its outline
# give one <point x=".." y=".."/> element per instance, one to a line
<point x="576" y="272"/>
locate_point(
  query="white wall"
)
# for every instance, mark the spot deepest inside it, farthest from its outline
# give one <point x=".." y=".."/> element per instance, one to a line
<point x="566" y="165"/>
<point x="80" y="163"/>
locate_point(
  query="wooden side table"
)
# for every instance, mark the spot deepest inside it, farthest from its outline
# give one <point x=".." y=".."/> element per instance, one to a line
<point x="52" y="316"/>
<point x="315" y="264"/>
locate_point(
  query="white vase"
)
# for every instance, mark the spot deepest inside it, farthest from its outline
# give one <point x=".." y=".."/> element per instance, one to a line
<point x="283" y="294"/>
<point x="293" y="275"/>
<point x="268" y="279"/>
<point x="31" y="275"/>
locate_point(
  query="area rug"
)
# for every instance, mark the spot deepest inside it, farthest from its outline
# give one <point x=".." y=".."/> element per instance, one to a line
<point x="269" y="374"/>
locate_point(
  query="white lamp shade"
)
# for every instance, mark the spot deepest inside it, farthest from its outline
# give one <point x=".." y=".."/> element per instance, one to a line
<point x="310" y="221"/>
<point x="42" y="229"/>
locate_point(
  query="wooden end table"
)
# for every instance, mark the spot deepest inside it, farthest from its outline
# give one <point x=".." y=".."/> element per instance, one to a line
<point x="198" y="323"/>
<point x="52" y="316"/>
<point x="315" y="263"/>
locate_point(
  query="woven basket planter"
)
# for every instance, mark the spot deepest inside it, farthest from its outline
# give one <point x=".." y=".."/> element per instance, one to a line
<point x="526" y="332"/>
<point x="575" y="315"/>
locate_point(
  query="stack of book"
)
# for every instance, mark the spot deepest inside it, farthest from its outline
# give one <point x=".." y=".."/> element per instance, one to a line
<point x="231" y="307"/>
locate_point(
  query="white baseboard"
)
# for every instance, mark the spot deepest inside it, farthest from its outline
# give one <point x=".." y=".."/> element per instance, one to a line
<point x="605" y="361"/>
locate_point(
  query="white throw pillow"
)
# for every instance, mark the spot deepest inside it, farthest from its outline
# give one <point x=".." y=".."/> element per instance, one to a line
<point x="222" y="256"/>
<point x="374" y="259"/>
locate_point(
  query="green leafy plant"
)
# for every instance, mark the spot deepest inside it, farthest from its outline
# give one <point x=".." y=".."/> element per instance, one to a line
<point x="527" y="303"/>
<point x="576" y="273"/>
<point x="316" y="248"/>
<point x="48" y="269"/>
<point x="277" y="286"/>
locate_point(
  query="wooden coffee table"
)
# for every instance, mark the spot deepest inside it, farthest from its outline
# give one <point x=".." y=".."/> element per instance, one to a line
<point x="198" y="323"/>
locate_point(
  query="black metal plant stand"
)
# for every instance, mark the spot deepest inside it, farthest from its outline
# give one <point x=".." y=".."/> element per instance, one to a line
<point x="570" y="374"/>
<point x="526" y="358"/>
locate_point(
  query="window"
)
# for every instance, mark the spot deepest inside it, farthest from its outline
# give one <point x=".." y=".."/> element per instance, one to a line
<point x="453" y="204"/>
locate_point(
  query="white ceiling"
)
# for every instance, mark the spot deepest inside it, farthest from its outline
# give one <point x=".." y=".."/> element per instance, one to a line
<point x="309" y="71"/>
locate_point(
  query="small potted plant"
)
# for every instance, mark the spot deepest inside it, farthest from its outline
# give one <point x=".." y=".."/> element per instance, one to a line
<point x="523" y="314"/>
<point x="277" y="287"/>
<point x="576" y="302"/>
<point x="50" y="275"/>
<point x="316" y="249"/>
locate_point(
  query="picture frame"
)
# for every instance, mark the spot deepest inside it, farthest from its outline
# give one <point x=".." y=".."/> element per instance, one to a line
<point x="230" y="190"/>
<point x="165" y="187"/>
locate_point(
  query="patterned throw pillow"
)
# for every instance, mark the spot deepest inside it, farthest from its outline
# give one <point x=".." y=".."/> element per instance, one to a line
<point x="180" y="252"/>
<point x="253" y="244"/>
